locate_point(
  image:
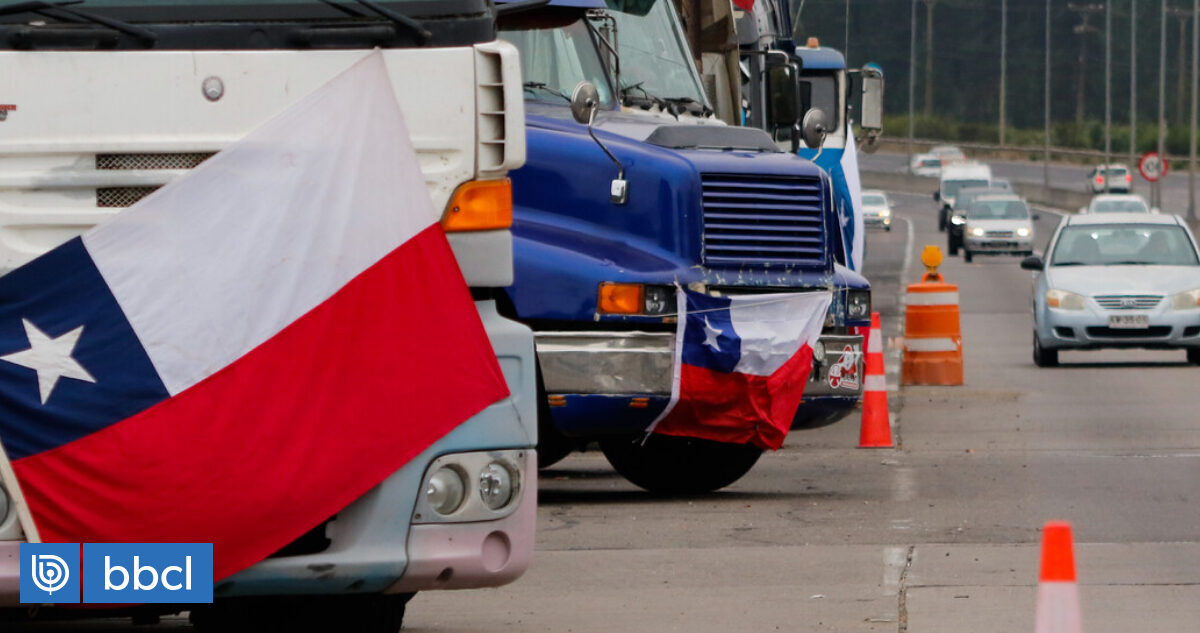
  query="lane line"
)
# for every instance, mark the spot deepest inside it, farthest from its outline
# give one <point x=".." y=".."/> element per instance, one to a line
<point x="908" y="248"/>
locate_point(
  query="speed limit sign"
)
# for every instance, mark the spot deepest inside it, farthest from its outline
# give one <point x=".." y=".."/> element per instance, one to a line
<point x="1152" y="166"/>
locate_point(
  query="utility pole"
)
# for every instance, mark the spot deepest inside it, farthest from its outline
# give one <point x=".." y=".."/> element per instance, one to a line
<point x="1183" y="15"/>
<point x="912" y="81"/>
<point x="1046" y="104"/>
<point x="1003" y="66"/>
<point x="1107" y="90"/>
<point x="1133" y="81"/>
<point x="929" y="5"/>
<point x="1085" y="11"/>
<point x="1191" y="210"/>
<point x="1162" y="97"/>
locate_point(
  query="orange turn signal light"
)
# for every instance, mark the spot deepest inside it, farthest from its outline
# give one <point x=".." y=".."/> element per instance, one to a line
<point x="480" y="205"/>
<point x="616" y="298"/>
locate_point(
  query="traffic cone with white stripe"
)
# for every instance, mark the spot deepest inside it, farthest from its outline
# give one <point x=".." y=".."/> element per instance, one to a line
<point x="1058" y="595"/>
<point x="876" y="430"/>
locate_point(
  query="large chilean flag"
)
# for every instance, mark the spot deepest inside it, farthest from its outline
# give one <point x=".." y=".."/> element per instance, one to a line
<point x="250" y="348"/>
<point x="741" y="364"/>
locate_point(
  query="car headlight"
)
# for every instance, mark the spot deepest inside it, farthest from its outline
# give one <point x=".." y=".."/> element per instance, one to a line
<point x="1189" y="300"/>
<point x="1064" y="300"/>
<point x="977" y="231"/>
<point x="886" y="213"/>
<point x="496" y="485"/>
<point x="446" y="490"/>
<point x="1022" y="232"/>
<point x="858" y="304"/>
<point x="957" y="219"/>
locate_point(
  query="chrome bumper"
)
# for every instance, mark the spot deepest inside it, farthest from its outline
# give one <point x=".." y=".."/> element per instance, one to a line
<point x="643" y="363"/>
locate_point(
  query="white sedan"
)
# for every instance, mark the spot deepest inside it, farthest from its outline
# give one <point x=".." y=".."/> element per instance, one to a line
<point x="877" y="209"/>
<point x="1118" y="203"/>
<point x="926" y="165"/>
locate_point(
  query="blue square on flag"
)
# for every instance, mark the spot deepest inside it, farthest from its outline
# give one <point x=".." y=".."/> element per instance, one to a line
<point x="710" y="339"/>
<point x="49" y="573"/>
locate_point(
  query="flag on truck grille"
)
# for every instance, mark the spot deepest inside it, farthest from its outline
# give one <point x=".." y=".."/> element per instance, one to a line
<point x="249" y="349"/>
<point x="741" y="364"/>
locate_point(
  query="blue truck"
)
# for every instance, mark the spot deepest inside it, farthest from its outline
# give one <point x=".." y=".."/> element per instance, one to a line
<point x="645" y="189"/>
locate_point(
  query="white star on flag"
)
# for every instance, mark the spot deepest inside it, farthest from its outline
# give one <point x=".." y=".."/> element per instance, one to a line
<point x="710" y="335"/>
<point x="50" y="358"/>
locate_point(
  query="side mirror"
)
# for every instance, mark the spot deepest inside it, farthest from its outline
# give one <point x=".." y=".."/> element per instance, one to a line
<point x="782" y="91"/>
<point x="813" y="128"/>
<point x="872" y="100"/>
<point x="1033" y="262"/>
<point x="937" y="196"/>
<point x="585" y="100"/>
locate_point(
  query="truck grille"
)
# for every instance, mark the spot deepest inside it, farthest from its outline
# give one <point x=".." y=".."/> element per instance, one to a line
<point x="1128" y="302"/>
<point x="121" y="197"/>
<point x="750" y="219"/>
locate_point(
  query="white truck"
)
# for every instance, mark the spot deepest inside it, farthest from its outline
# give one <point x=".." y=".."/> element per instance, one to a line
<point x="104" y="101"/>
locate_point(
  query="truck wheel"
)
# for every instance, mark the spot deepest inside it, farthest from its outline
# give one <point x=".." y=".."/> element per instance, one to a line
<point x="967" y="255"/>
<point x="666" y="464"/>
<point x="368" y="613"/>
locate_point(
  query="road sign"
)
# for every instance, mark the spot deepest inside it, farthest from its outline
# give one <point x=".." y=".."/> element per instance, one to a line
<point x="1152" y="166"/>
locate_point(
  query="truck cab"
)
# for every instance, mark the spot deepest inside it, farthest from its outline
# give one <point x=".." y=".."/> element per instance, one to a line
<point x="107" y="102"/>
<point x="643" y="192"/>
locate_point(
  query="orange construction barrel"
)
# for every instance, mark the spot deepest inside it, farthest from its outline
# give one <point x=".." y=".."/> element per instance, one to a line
<point x="932" y="331"/>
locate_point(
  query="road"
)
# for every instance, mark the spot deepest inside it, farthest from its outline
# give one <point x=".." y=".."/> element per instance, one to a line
<point x="938" y="535"/>
<point x="1074" y="177"/>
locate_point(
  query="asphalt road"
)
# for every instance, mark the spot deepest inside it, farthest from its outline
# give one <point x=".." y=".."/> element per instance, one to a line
<point x="1074" y="177"/>
<point x="938" y="535"/>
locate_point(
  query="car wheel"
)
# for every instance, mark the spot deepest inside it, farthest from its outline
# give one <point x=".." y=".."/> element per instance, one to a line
<point x="1043" y="357"/>
<point x="665" y="464"/>
<point x="888" y="228"/>
<point x="952" y="245"/>
<point x="1193" y="355"/>
<point x="967" y="257"/>
<point x="942" y="219"/>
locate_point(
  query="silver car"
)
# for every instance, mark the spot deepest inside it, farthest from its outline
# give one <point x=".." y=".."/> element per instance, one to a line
<point x="1117" y="280"/>
<point x="877" y="209"/>
<point x="997" y="224"/>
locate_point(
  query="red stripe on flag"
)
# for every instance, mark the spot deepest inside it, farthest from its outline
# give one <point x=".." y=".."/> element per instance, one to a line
<point x="745" y="4"/>
<point x="739" y="408"/>
<point x="290" y="433"/>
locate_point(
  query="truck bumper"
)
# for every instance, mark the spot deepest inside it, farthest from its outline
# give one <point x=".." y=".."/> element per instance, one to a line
<point x="606" y="383"/>
<point x="377" y="544"/>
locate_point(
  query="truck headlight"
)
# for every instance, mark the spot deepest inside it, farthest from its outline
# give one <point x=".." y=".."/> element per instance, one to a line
<point x="1022" y="232"/>
<point x="660" y="300"/>
<point x="495" y="485"/>
<point x="977" y="231"/>
<point x="627" y="298"/>
<point x="446" y="490"/>
<point x="819" y="352"/>
<point x="1189" y="300"/>
<point x="858" y="304"/>
<point x="1064" y="300"/>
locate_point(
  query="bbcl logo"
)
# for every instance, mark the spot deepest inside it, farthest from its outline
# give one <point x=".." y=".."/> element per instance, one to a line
<point x="128" y="573"/>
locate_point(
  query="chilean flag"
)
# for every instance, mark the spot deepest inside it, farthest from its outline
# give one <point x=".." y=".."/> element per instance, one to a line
<point x="741" y="364"/>
<point x="248" y="349"/>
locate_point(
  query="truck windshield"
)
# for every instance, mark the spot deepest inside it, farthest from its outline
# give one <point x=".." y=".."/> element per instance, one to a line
<point x="820" y="90"/>
<point x="654" y="54"/>
<point x="555" y="60"/>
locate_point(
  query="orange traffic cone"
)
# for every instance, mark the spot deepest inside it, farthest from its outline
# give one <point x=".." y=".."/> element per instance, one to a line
<point x="1058" y="595"/>
<point x="876" y="431"/>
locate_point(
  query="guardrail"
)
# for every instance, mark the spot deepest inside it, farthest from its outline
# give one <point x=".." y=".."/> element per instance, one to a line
<point x="1053" y="197"/>
<point x="1078" y="156"/>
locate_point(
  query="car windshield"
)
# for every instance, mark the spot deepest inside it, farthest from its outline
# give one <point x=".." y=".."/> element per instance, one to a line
<point x="874" y="199"/>
<point x="555" y="60"/>
<point x="654" y="54"/>
<point x="1129" y="205"/>
<point x="998" y="210"/>
<point x="950" y="188"/>
<point x="931" y="162"/>
<point x="1123" y="244"/>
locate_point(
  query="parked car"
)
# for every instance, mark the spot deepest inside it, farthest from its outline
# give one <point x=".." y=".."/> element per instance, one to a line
<point x="996" y="225"/>
<point x="877" y="209"/>
<point x="1118" y="203"/>
<point x="958" y="215"/>
<point x="1119" y="280"/>
<point x="1118" y="176"/>
<point x="955" y="178"/>
<point x="926" y="165"/>
<point x="949" y="154"/>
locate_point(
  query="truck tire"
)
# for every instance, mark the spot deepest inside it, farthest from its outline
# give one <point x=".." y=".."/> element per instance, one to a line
<point x="667" y="465"/>
<point x="967" y="257"/>
<point x="368" y="613"/>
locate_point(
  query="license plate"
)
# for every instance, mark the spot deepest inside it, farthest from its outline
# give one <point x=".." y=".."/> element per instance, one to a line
<point x="1129" y="321"/>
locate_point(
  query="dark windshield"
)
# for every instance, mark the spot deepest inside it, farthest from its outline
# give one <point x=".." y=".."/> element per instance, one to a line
<point x="654" y="53"/>
<point x="246" y="24"/>
<point x="1123" y="244"/>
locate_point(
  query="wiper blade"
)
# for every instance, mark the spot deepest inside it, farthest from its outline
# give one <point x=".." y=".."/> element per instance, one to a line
<point x="686" y="101"/>
<point x="414" y="26"/>
<point x="537" y="85"/>
<point x="1073" y="264"/>
<point x="53" y="9"/>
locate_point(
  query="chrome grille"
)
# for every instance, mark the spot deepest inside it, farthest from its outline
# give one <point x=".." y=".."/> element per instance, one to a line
<point x="121" y="196"/>
<point x="999" y="233"/>
<point x="751" y="219"/>
<point x="1128" y="302"/>
<point x="150" y="161"/>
